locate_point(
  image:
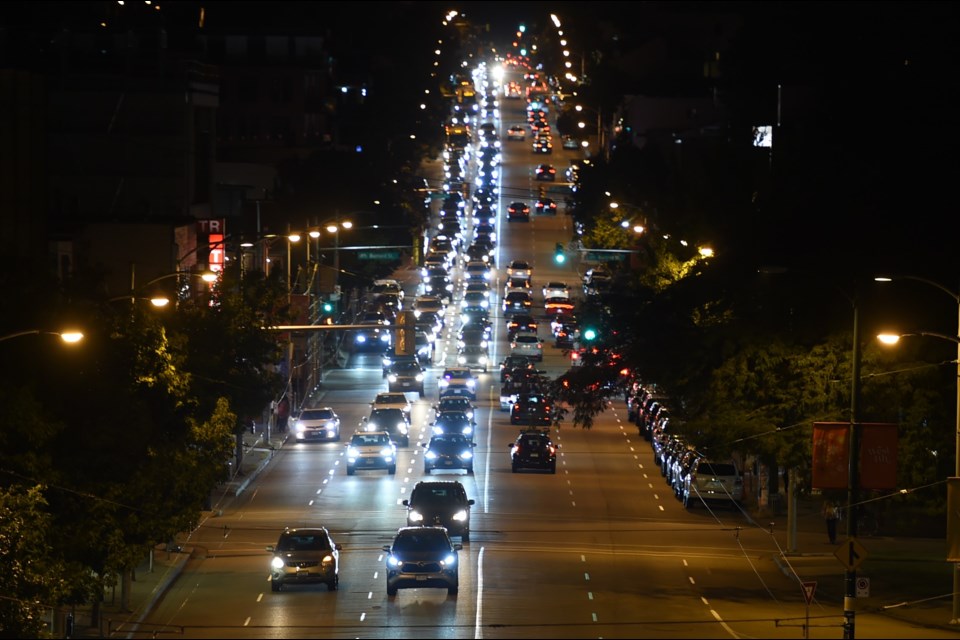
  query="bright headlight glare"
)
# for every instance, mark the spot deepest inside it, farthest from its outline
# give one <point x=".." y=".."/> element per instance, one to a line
<point x="466" y="455"/>
<point x="392" y="378"/>
<point x="460" y="516"/>
<point x="353" y="452"/>
<point x="416" y="516"/>
<point x="277" y="562"/>
<point x="419" y="377"/>
<point x="430" y="455"/>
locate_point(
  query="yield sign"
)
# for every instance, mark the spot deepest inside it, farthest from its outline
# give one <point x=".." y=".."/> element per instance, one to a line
<point x="809" y="588"/>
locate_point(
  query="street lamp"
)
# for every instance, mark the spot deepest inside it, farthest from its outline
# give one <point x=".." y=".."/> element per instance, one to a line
<point x="956" y="299"/>
<point x="582" y="125"/>
<point x="70" y="337"/>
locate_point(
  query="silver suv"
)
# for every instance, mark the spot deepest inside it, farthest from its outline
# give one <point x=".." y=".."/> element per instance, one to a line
<point x="305" y="556"/>
<point x="371" y="450"/>
<point x="422" y="557"/>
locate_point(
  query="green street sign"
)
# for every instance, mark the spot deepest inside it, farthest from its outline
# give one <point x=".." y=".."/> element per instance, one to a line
<point x="382" y="254"/>
<point x="599" y="256"/>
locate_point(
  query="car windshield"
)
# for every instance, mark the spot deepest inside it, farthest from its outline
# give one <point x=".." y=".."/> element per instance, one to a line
<point x="369" y="440"/>
<point x="304" y="542"/>
<point x="391" y="398"/>
<point x="406" y="367"/>
<point x="386" y="414"/>
<point x="716" y="469"/>
<point x="317" y="414"/>
<point x="423" y="540"/>
<point x="452" y="417"/>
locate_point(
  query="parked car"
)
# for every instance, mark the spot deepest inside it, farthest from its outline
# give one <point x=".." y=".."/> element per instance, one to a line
<point x="712" y="482"/>
<point x="422" y="557"/>
<point x="303" y="556"/>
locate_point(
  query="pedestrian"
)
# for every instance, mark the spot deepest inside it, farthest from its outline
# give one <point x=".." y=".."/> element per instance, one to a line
<point x="830" y="515"/>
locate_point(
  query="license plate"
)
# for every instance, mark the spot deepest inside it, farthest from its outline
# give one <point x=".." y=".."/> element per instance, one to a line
<point x="421" y="578"/>
<point x="448" y="462"/>
<point x="534" y="455"/>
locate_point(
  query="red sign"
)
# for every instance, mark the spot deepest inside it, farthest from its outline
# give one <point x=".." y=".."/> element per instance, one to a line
<point x="831" y="458"/>
<point x="212" y="233"/>
<point x="809" y="588"/>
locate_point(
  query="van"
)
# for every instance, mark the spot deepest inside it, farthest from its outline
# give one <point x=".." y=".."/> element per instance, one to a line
<point x="713" y="482"/>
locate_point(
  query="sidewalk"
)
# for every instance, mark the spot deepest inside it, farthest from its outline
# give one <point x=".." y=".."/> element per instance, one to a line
<point x="154" y="575"/>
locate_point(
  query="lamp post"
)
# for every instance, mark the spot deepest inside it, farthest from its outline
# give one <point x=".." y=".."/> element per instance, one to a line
<point x="70" y="337"/>
<point x="955" y="619"/>
<point x="598" y="112"/>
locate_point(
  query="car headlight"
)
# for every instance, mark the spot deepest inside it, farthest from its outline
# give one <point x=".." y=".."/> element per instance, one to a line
<point x="387" y="362"/>
<point x="387" y="453"/>
<point x="353" y="452"/>
<point x="277" y="562"/>
<point x="450" y="560"/>
<point x="444" y="383"/>
<point x="449" y="287"/>
<point x="467" y="430"/>
<point x="361" y="338"/>
<point x="300" y="426"/>
<point x="461" y="359"/>
<point x="483" y="359"/>
<point x="402" y="427"/>
<point x="428" y="287"/>
<point x="392" y="561"/>
<point x="466" y="455"/>
<point x="415" y="516"/>
<point x="471" y="383"/>
<point x="419" y="377"/>
<point x="460" y="516"/>
<point x="392" y="377"/>
<point x="484" y="304"/>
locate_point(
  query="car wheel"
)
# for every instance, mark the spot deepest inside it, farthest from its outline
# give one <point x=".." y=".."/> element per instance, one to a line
<point x="513" y="468"/>
<point x="391" y="591"/>
<point x="553" y="468"/>
<point x="275" y="585"/>
<point x="350" y="471"/>
<point x="392" y="470"/>
<point x="334" y="584"/>
<point x="465" y="537"/>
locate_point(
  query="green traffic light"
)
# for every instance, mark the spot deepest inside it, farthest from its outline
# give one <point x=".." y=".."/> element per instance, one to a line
<point x="327" y="307"/>
<point x="589" y="334"/>
<point x="560" y="258"/>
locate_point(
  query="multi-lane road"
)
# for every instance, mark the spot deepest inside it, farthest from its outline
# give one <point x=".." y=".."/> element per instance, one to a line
<point x="601" y="549"/>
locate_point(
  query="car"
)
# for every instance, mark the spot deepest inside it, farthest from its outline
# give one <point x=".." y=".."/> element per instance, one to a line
<point x="391" y="358"/>
<point x="394" y="421"/>
<point x="545" y="206"/>
<point x="422" y="557"/>
<point x="542" y="145"/>
<point x="386" y="285"/>
<point x="456" y="403"/>
<point x="453" y="422"/>
<point x="477" y="287"/>
<point x="546" y="172"/>
<point x="521" y="323"/>
<point x="518" y="211"/>
<point x="392" y="400"/>
<point x="431" y="322"/>
<point x="373" y="337"/>
<point x="474" y="335"/>
<point x="517" y="301"/>
<point x="424" y="347"/>
<point x="709" y="481"/>
<point x="442" y="503"/>
<point x="517" y="282"/>
<point x="533" y="449"/>
<point x="517" y="132"/>
<point x="558" y="306"/>
<point x="569" y="142"/>
<point x="485" y="229"/>
<point x="531" y="409"/>
<point x="526" y="344"/>
<point x="565" y="336"/>
<point x="476" y="252"/>
<point x="474" y="315"/>
<point x="440" y="286"/>
<point x="519" y="268"/>
<point x="371" y="450"/>
<point x="303" y="556"/>
<point x="320" y="423"/>
<point x="556" y="290"/>
<point x="458" y="381"/>
<point x="448" y="451"/>
<point x="474" y="357"/>
<point x="510" y="363"/>
<point x="406" y="375"/>
<point x="477" y="271"/>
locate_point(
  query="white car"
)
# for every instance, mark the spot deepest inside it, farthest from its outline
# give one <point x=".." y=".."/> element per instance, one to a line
<point x="392" y="400"/>
<point x="320" y="423"/>
<point x="427" y="303"/>
<point x="387" y="285"/>
<point x="556" y="290"/>
<point x="519" y="268"/>
<point x="527" y="344"/>
<point x="371" y="450"/>
<point x="517" y="132"/>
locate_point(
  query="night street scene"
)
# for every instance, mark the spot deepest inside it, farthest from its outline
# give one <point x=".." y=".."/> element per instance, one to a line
<point x="656" y="305"/>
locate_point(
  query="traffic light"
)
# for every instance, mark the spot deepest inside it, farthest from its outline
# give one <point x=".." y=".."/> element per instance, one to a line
<point x="328" y="307"/>
<point x="559" y="255"/>
<point x="589" y="334"/>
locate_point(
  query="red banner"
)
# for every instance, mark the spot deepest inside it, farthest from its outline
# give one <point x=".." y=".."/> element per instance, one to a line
<point x="831" y="459"/>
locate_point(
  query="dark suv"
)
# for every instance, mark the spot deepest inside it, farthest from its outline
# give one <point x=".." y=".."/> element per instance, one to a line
<point x="533" y="449"/>
<point x="305" y="556"/>
<point x="393" y="421"/>
<point x="440" y="503"/>
<point x="448" y="451"/>
<point x="422" y="557"/>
